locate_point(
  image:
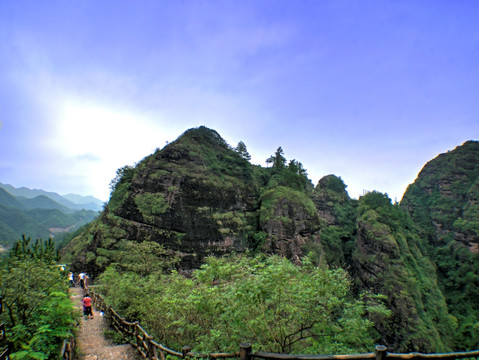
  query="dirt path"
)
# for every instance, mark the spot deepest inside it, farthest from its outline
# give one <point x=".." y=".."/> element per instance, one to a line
<point x="91" y="343"/>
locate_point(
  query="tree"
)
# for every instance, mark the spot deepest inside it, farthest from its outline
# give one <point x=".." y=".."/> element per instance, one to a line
<point x="43" y="250"/>
<point x="143" y="258"/>
<point x="38" y="312"/>
<point x="267" y="301"/>
<point x="123" y="174"/>
<point x="242" y="151"/>
<point x="297" y="168"/>
<point x="277" y="160"/>
<point x="294" y="175"/>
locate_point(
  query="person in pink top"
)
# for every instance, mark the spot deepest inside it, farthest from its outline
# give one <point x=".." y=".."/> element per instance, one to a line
<point x="87" y="307"/>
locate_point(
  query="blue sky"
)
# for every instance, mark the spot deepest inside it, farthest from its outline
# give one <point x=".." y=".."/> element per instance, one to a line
<point x="366" y="90"/>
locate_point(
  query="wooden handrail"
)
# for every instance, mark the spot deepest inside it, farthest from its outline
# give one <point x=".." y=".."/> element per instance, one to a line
<point x="3" y="340"/>
<point x="2" y="332"/>
<point x="439" y="356"/>
<point x="68" y="349"/>
<point x="152" y="350"/>
<point x="5" y="353"/>
<point x="276" y="356"/>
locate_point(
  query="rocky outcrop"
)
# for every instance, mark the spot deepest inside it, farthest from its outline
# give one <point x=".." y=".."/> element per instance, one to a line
<point x="445" y="192"/>
<point x="443" y="204"/>
<point x="329" y="193"/>
<point x="289" y="218"/>
<point x="199" y="197"/>
<point x="390" y="258"/>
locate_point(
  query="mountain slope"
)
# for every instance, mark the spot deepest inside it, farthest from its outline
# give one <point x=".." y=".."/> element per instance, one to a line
<point x="71" y="201"/>
<point x="199" y="197"/>
<point x="390" y="257"/>
<point x="42" y="202"/>
<point x="14" y="223"/>
<point x="9" y="200"/>
<point x="38" y="217"/>
<point x="196" y="196"/>
<point x="84" y="200"/>
<point x="443" y="201"/>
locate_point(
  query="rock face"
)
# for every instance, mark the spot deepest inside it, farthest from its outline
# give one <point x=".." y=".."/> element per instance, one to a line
<point x="390" y="258"/>
<point x="444" y="195"/>
<point x="443" y="201"/>
<point x="289" y="218"/>
<point x="196" y="196"/>
<point x="199" y="197"/>
<point x="330" y="192"/>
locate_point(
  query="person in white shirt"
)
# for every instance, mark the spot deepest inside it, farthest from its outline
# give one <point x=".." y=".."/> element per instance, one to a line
<point x="82" y="280"/>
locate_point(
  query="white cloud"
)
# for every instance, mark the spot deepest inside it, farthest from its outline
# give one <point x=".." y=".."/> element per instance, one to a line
<point x="95" y="140"/>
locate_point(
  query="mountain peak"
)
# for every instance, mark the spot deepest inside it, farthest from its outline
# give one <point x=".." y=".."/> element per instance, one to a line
<point x="203" y="134"/>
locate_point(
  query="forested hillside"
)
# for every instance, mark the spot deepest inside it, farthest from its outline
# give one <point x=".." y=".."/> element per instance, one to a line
<point x="69" y="201"/>
<point x="36" y="217"/>
<point x="199" y="197"/>
<point x="444" y="203"/>
<point x="37" y="312"/>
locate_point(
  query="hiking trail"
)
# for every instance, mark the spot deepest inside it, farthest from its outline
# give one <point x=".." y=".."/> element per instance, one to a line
<point x="91" y="343"/>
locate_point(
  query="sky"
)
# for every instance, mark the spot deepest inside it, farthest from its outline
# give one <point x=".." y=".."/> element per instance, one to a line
<point x="367" y="90"/>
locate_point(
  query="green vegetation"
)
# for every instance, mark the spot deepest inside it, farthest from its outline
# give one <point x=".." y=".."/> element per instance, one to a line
<point x="392" y="257"/>
<point x="38" y="313"/>
<point x="338" y="237"/>
<point x="242" y="151"/>
<point x="266" y="301"/>
<point x="282" y="197"/>
<point x="293" y="175"/>
<point x="38" y="217"/>
<point x="14" y="222"/>
<point x="120" y="186"/>
<point x="151" y="205"/>
<point x="443" y="203"/>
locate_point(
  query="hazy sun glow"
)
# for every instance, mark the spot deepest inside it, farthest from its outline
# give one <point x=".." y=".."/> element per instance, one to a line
<point x="106" y="138"/>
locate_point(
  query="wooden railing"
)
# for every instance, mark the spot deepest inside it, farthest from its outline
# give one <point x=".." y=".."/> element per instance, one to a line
<point x="150" y="349"/>
<point x="5" y="352"/>
<point x="139" y="338"/>
<point x="68" y="349"/>
<point x="380" y="353"/>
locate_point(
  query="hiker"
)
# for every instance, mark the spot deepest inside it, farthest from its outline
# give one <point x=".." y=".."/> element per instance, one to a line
<point x="87" y="307"/>
<point x="71" y="279"/>
<point x="82" y="280"/>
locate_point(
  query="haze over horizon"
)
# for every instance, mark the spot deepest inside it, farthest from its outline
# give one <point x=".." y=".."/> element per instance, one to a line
<point x="368" y="91"/>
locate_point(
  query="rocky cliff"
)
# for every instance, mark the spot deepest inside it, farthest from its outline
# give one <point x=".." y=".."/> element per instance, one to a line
<point x="443" y="199"/>
<point x="199" y="197"/>
<point x="443" y="202"/>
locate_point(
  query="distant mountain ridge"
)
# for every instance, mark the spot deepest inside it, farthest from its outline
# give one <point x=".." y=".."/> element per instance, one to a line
<point x="71" y="201"/>
<point x="36" y="213"/>
<point x="79" y="199"/>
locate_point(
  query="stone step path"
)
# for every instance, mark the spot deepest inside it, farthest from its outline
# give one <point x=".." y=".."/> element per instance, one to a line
<point x="91" y="342"/>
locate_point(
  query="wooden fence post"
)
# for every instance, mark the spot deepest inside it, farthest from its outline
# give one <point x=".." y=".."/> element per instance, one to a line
<point x="245" y="351"/>
<point x="151" y="349"/>
<point x="185" y="350"/>
<point x="381" y="352"/>
<point x="137" y="335"/>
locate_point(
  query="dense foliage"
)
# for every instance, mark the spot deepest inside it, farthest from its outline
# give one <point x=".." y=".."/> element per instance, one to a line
<point x="266" y="301"/>
<point x="390" y="256"/>
<point x="338" y="236"/>
<point x="38" y="313"/>
<point x="443" y="202"/>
